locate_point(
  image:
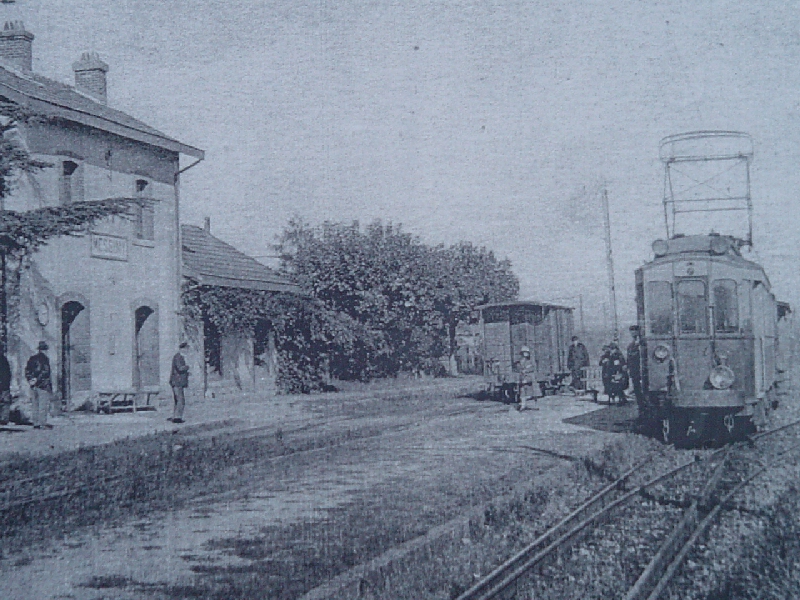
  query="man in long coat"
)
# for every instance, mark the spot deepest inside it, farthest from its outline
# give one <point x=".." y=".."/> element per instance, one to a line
<point x="635" y="364"/>
<point x="38" y="376"/>
<point x="577" y="360"/>
<point x="5" y="389"/>
<point x="179" y="381"/>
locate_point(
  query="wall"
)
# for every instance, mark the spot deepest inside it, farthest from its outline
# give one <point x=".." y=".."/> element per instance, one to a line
<point x="111" y="287"/>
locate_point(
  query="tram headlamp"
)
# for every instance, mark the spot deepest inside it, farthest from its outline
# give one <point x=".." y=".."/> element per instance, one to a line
<point x="721" y="377"/>
<point x="661" y="353"/>
<point x="660" y="247"/>
<point x="720" y="245"/>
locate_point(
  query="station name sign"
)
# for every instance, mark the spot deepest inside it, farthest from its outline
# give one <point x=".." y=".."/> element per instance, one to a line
<point x="110" y="247"/>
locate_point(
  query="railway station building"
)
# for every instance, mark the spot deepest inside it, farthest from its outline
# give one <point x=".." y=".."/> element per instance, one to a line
<point x="223" y="362"/>
<point x="107" y="302"/>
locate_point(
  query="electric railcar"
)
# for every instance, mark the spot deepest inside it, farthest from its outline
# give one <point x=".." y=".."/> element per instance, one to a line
<point x="709" y="340"/>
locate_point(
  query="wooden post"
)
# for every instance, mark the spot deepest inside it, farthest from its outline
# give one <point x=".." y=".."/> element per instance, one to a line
<point x="610" y="264"/>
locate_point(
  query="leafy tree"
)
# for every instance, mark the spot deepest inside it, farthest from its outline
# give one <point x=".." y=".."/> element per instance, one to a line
<point x="472" y="276"/>
<point x="407" y="295"/>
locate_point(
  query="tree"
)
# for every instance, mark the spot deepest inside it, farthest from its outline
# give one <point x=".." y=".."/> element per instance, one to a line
<point x="408" y="296"/>
<point x="471" y="276"/>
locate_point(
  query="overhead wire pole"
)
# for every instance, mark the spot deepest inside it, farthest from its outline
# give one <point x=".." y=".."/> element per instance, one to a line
<point x="610" y="264"/>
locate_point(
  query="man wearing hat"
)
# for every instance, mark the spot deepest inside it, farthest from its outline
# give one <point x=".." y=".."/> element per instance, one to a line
<point x="526" y="367"/>
<point x="635" y="364"/>
<point x="577" y="360"/>
<point x="37" y="374"/>
<point x="5" y="389"/>
<point x="179" y="380"/>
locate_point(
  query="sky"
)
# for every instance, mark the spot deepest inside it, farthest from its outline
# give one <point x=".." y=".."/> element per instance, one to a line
<point x="496" y="122"/>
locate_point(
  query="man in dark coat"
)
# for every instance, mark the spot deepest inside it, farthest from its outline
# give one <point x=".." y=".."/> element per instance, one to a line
<point x="37" y="374"/>
<point x="5" y="389"/>
<point x="179" y="380"/>
<point x="605" y="368"/>
<point x="577" y="360"/>
<point x="618" y="375"/>
<point x="635" y="364"/>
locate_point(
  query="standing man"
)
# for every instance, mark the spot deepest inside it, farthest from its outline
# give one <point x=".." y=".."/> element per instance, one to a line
<point x="605" y="366"/>
<point x="5" y="389"/>
<point x="577" y="360"/>
<point x="635" y="364"/>
<point x="37" y="374"/>
<point x="179" y="380"/>
<point x="526" y="367"/>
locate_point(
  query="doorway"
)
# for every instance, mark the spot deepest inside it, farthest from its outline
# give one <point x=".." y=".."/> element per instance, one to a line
<point x="76" y="351"/>
<point x="145" y="348"/>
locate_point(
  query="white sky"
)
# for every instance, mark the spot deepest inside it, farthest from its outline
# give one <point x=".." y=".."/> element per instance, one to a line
<point x="493" y="121"/>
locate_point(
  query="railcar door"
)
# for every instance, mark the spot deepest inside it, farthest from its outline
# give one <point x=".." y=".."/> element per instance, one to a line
<point x="695" y="357"/>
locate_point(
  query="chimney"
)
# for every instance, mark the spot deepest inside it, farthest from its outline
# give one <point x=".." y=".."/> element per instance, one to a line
<point x="16" y="46"/>
<point x="207" y="225"/>
<point x="90" y="76"/>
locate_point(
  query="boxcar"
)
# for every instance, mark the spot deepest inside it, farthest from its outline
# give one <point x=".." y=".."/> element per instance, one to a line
<point x="709" y="340"/>
<point x="544" y="328"/>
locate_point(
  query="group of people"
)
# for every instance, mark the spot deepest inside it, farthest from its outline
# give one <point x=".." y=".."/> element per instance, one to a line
<point x="618" y="370"/>
<point x="39" y="378"/>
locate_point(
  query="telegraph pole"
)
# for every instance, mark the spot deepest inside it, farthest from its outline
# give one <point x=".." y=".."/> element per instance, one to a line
<point x="610" y="265"/>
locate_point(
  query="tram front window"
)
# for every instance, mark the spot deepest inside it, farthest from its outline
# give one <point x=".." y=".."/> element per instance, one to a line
<point x="692" y="306"/>
<point x="726" y="309"/>
<point x="659" y="307"/>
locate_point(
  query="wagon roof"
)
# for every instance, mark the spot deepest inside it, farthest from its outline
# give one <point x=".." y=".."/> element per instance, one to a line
<point x="523" y="303"/>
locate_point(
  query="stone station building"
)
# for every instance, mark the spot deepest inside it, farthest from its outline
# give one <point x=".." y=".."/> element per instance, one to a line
<point x="107" y="303"/>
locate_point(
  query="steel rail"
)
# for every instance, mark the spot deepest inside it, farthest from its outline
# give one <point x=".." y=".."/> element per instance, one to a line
<point x="655" y="569"/>
<point x="566" y="530"/>
<point x="701" y="527"/>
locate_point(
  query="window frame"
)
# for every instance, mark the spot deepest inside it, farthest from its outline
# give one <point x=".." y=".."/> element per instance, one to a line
<point x="734" y="298"/>
<point x="706" y="325"/>
<point x="144" y="227"/>
<point x="648" y="297"/>
<point x="69" y="191"/>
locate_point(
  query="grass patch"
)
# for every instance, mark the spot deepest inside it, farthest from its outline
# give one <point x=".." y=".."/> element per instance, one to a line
<point x="769" y="568"/>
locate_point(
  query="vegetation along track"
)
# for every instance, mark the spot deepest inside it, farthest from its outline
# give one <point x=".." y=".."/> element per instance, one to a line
<point x="630" y="539"/>
<point x="162" y="470"/>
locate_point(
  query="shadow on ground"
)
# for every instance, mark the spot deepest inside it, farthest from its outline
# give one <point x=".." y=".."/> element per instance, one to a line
<point x="617" y="418"/>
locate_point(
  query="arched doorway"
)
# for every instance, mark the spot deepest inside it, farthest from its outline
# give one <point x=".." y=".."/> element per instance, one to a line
<point x="76" y="351"/>
<point x="145" y="348"/>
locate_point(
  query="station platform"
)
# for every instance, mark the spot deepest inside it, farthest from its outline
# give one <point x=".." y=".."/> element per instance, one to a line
<point x="75" y="430"/>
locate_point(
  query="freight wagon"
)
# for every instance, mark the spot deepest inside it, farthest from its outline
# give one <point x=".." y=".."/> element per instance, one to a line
<point x="546" y="329"/>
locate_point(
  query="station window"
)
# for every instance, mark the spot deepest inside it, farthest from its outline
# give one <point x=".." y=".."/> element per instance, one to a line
<point x="659" y="307"/>
<point x="692" y="306"/>
<point x="144" y="217"/>
<point x="69" y="189"/>
<point x="726" y="308"/>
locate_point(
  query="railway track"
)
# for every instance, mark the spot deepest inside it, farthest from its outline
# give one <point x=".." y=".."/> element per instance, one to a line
<point x="716" y="479"/>
<point x="62" y="484"/>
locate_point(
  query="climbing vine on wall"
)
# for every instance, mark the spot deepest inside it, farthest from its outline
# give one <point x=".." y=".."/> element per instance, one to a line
<point x="305" y="331"/>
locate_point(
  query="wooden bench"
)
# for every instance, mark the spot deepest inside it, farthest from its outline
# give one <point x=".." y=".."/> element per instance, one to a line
<point x="592" y="378"/>
<point x="126" y="400"/>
